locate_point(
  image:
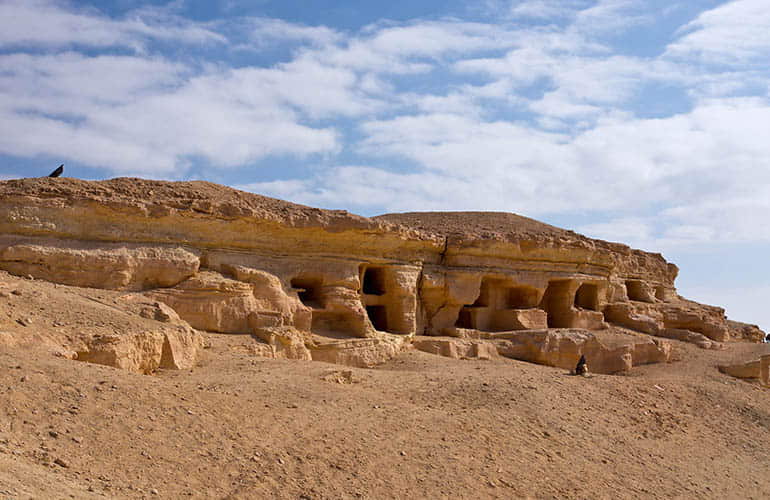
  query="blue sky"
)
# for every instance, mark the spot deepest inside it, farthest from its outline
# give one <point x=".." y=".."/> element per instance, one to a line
<point x="646" y="122"/>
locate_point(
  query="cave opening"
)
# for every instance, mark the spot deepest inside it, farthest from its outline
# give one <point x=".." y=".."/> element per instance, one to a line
<point x="308" y="291"/>
<point x="378" y="315"/>
<point x="587" y="297"/>
<point x="557" y="303"/>
<point x="635" y="291"/>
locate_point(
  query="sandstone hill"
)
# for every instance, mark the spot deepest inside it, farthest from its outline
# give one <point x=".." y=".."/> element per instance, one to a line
<point x="237" y="304"/>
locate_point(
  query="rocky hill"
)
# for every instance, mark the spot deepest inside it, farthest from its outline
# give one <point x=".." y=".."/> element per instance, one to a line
<point x="331" y="286"/>
<point x="201" y="285"/>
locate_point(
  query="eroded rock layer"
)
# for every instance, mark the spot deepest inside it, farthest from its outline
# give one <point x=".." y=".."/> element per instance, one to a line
<point x="329" y="285"/>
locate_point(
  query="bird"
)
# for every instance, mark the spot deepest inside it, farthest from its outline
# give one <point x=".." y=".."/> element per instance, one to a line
<point x="57" y="172"/>
<point x="582" y="366"/>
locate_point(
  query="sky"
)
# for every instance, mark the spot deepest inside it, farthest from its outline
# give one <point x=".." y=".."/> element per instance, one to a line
<point x="640" y="121"/>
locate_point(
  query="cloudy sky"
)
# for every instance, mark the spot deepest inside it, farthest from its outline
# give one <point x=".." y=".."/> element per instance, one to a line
<point x="642" y="121"/>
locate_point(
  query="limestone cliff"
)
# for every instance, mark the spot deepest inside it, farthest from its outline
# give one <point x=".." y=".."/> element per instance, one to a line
<point x="333" y="286"/>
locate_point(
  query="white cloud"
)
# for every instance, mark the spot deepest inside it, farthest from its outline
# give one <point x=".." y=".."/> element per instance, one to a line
<point x="149" y="115"/>
<point x="546" y="9"/>
<point x="734" y="33"/>
<point x="580" y="86"/>
<point x="412" y="48"/>
<point x="706" y="168"/>
<point x="268" y="29"/>
<point x="361" y="188"/>
<point x="633" y="230"/>
<point x="59" y="23"/>
<point x="608" y="16"/>
<point x="69" y="81"/>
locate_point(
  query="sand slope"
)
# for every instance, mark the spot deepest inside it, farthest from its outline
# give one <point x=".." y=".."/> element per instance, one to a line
<point x="239" y="426"/>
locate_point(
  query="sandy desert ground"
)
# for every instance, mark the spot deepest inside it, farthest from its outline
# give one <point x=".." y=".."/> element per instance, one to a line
<point x="419" y="426"/>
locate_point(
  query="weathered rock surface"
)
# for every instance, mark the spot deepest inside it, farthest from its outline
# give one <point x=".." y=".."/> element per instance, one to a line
<point x="749" y="369"/>
<point x="329" y="285"/>
<point x="457" y="348"/>
<point x="116" y="266"/>
<point x="130" y="332"/>
<point x="745" y="331"/>
<point x="359" y="352"/>
<point x="684" y="320"/>
<point x="562" y="348"/>
<point x="755" y="369"/>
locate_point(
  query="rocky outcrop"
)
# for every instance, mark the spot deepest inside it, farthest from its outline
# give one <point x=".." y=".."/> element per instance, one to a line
<point x="563" y="348"/>
<point x="360" y="352"/>
<point x="144" y="352"/>
<point x="126" y="331"/>
<point x="115" y="266"/>
<point x="328" y="285"/>
<point x="745" y="331"/>
<point x="211" y="302"/>
<point x="757" y="369"/>
<point x="457" y="348"/>
<point x="749" y="369"/>
<point x="688" y="321"/>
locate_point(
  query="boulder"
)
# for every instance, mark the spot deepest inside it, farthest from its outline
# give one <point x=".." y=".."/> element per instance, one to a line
<point x="456" y="348"/>
<point x="361" y="353"/>
<point x="749" y="369"/>
<point x="209" y="301"/>
<point x="174" y="348"/>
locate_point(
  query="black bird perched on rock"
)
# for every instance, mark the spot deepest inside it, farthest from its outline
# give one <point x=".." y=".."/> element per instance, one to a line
<point x="57" y="172"/>
<point x="582" y="366"/>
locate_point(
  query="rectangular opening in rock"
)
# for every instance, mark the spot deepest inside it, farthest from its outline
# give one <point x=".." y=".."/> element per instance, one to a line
<point x="587" y="297"/>
<point x="373" y="281"/>
<point x="378" y="315"/>
<point x="636" y="291"/>
<point x="465" y="318"/>
<point x="557" y="303"/>
<point x="660" y="292"/>
<point x="308" y="290"/>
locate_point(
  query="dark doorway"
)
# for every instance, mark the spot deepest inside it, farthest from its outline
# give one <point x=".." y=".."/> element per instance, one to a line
<point x="635" y="291"/>
<point x="464" y="319"/>
<point x="587" y="297"/>
<point x="378" y="316"/>
<point x="557" y="302"/>
<point x="308" y="290"/>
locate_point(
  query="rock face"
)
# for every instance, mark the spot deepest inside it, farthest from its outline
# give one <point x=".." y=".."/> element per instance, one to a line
<point x="756" y="369"/>
<point x="328" y="285"/>
<point x="122" y="330"/>
<point x="609" y="351"/>
<point x="563" y="348"/>
<point x="97" y="264"/>
<point x="745" y="331"/>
